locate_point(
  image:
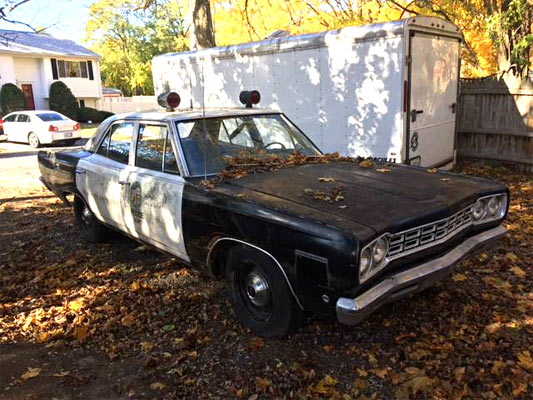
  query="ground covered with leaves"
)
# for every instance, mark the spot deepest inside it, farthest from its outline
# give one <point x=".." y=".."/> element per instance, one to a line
<point x="119" y="320"/>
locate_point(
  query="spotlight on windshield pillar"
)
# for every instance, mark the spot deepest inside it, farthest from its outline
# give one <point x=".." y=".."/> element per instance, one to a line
<point x="250" y="97"/>
<point x="169" y="100"/>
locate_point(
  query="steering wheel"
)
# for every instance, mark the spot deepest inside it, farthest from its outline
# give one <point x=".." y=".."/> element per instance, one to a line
<point x="271" y="143"/>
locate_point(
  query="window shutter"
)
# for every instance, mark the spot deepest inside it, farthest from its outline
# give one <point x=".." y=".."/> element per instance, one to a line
<point x="53" y="61"/>
<point x="90" y="68"/>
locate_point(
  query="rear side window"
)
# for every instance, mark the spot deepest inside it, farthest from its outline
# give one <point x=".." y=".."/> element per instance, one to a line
<point x="47" y="117"/>
<point x="117" y="143"/>
<point x="154" y="149"/>
<point x="23" y="118"/>
<point x="11" y="118"/>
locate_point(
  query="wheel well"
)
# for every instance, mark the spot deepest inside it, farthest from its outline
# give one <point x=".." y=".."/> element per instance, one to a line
<point x="217" y="257"/>
<point x="218" y="252"/>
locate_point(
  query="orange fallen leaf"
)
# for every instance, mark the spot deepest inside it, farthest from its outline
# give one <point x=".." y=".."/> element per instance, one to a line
<point x="518" y="272"/>
<point x="262" y="383"/>
<point x="459" y="277"/>
<point x="432" y="170"/>
<point x="366" y="164"/>
<point x="158" y="385"/>
<point x="81" y="333"/>
<point x="30" y="373"/>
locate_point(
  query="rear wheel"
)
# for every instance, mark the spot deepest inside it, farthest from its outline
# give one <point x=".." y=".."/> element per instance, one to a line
<point x="91" y="229"/>
<point x="33" y="140"/>
<point x="260" y="295"/>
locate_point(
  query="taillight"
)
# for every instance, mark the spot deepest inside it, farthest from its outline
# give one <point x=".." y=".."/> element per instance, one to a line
<point x="53" y="128"/>
<point x="77" y="127"/>
<point x="1" y="123"/>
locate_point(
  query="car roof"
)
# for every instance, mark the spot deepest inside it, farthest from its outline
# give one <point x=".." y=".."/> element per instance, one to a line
<point x="193" y="113"/>
<point x="34" y="112"/>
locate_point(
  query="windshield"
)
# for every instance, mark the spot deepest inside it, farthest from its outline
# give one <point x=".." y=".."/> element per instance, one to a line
<point x="208" y="144"/>
<point x="47" y="117"/>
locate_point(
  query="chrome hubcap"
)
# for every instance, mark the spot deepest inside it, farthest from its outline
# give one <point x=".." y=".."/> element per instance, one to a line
<point x="257" y="289"/>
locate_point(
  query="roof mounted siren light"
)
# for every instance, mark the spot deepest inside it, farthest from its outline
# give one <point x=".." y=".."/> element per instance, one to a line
<point x="169" y="100"/>
<point x="248" y="98"/>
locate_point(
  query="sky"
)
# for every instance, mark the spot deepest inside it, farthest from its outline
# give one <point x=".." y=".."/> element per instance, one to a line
<point x="67" y="18"/>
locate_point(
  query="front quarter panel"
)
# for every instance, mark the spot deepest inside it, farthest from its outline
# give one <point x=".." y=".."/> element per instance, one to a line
<point x="318" y="260"/>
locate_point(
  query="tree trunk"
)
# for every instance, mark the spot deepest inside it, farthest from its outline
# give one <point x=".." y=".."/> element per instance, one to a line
<point x="202" y="33"/>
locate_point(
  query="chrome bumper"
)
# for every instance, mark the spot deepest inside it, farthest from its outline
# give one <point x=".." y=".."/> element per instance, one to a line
<point x="352" y="311"/>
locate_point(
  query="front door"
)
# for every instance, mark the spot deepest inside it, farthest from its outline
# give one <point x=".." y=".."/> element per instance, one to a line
<point x="433" y="101"/>
<point x="155" y="189"/>
<point x="102" y="177"/>
<point x="27" y="89"/>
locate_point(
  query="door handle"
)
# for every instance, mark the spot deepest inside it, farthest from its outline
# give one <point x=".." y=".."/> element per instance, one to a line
<point x="414" y="113"/>
<point x="453" y="107"/>
<point x="126" y="183"/>
<point x="80" y="171"/>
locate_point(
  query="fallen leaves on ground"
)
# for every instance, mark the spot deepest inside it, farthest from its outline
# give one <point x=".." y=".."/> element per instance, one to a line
<point x="469" y="337"/>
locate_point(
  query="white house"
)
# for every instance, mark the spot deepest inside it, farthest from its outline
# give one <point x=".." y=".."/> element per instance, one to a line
<point x="33" y="61"/>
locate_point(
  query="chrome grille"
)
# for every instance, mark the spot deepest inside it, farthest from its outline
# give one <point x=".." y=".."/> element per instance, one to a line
<point x="411" y="240"/>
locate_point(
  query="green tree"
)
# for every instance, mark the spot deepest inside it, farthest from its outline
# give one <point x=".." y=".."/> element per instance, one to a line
<point x="11" y="98"/>
<point x="62" y="100"/>
<point x="128" y="36"/>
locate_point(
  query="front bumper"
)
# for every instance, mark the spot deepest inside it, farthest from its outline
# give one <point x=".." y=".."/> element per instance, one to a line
<point x="352" y="311"/>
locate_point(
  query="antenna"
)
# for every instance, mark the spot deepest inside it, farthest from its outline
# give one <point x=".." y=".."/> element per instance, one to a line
<point x="204" y="123"/>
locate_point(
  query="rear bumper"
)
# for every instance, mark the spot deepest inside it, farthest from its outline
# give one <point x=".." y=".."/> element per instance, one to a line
<point x="351" y="311"/>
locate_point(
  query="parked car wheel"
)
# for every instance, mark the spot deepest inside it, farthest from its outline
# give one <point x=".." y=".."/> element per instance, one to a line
<point x="91" y="229"/>
<point x="33" y="140"/>
<point x="260" y="295"/>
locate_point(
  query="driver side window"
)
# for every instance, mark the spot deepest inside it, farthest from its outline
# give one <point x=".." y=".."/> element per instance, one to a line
<point x="117" y="143"/>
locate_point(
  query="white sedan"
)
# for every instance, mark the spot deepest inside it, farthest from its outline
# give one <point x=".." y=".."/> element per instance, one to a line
<point x="39" y="127"/>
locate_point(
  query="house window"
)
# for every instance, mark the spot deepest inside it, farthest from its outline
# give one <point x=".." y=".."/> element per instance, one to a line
<point x="72" y="69"/>
<point x="82" y="103"/>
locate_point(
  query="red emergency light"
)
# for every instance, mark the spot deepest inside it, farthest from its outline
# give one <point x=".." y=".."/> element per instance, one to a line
<point x="250" y="97"/>
<point x="169" y="100"/>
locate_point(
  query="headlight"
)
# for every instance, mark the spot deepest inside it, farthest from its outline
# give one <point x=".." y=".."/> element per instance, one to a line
<point x="365" y="262"/>
<point x="494" y="205"/>
<point x="373" y="257"/>
<point x="380" y="250"/>
<point x="478" y="211"/>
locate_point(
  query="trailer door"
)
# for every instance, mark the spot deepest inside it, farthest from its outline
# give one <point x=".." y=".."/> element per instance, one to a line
<point x="433" y="99"/>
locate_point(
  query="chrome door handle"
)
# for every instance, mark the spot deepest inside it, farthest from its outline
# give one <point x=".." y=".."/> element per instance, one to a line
<point x="123" y="183"/>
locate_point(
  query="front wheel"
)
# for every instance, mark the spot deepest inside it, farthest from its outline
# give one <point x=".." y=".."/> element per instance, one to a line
<point x="91" y="229"/>
<point x="260" y="295"/>
<point x="33" y="140"/>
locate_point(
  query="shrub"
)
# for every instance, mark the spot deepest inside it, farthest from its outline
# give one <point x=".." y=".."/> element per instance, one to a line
<point x="11" y="99"/>
<point x="86" y="114"/>
<point x="62" y="100"/>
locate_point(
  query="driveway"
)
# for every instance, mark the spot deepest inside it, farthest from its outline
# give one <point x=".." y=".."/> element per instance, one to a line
<point x="19" y="169"/>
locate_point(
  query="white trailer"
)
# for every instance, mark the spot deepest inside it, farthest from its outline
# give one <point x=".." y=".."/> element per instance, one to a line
<point x="386" y="90"/>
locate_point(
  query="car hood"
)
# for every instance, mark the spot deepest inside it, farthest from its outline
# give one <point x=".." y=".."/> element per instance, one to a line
<point x="382" y="198"/>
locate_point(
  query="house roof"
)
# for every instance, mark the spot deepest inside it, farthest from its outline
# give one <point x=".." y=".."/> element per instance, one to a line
<point x="40" y="43"/>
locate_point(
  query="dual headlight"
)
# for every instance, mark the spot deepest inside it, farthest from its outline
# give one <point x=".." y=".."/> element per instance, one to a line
<point x="373" y="257"/>
<point x="489" y="208"/>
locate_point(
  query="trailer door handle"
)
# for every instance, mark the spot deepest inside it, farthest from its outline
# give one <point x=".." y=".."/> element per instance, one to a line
<point x="123" y="183"/>
<point x="453" y="107"/>
<point x="414" y="114"/>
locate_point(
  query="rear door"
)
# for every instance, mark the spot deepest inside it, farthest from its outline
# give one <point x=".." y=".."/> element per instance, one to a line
<point x="433" y="99"/>
<point x="154" y="193"/>
<point x="102" y="177"/>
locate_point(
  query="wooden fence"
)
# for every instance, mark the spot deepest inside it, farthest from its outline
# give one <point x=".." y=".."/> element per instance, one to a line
<point x="495" y="121"/>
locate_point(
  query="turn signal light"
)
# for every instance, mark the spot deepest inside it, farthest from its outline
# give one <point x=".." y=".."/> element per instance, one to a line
<point x="169" y="100"/>
<point x="250" y="97"/>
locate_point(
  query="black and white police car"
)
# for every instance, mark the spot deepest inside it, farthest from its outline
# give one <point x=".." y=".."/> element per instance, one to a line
<point x="282" y="249"/>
